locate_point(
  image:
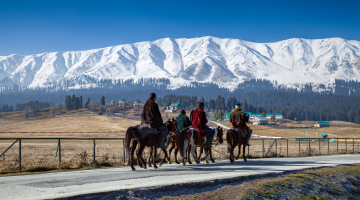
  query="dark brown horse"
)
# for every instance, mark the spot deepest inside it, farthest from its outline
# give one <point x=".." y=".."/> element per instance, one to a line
<point x="169" y="125"/>
<point x="191" y="137"/>
<point x="233" y="140"/>
<point x="133" y="137"/>
<point x="218" y="137"/>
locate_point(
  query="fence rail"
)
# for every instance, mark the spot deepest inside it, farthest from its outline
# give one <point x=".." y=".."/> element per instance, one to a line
<point x="19" y="154"/>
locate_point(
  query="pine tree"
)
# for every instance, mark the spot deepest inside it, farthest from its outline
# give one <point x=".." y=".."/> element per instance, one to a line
<point x="68" y="102"/>
<point x="102" y="100"/>
<point x="81" y="101"/>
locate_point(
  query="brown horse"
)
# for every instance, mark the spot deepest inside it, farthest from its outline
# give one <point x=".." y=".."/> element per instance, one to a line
<point x="192" y="137"/>
<point x="218" y="137"/>
<point x="169" y="125"/>
<point x="133" y="137"/>
<point x="233" y="140"/>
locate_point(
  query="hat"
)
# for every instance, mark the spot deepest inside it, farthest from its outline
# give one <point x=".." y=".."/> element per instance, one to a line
<point x="183" y="112"/>
<point x="238" y="105"/>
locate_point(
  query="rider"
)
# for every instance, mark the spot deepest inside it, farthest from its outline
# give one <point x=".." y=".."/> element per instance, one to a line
<point x="238" y="120"/>
<point x="198" y="120"/>
<point x="151" y="116"/>
<point x="182" y="121"/>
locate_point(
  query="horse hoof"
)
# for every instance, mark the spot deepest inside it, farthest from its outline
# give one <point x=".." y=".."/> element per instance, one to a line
<point x="155" y="167"/>
<point x="161" y="164"/>
<point x="207" y="162"/>
<point x="184" y="164"/>
<point x="197" y="162"/>
<point x="133" y="169"/>
<point x="190" y="163"/>
<point x="169" y="162"/>
<point x="177" y="162"/>
<point x="245" y="160"/>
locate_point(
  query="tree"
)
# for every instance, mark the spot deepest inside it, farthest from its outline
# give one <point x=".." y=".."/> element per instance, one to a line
<point x="212" y="104"/>
<point x="263" y="114"/>
<point x="26" y="113"/>
<point x="218" y="114"/>
<point x="81" y="101"/>
<point x="273" y="117"/>
<point x="191" y="107"/>
<point x="87" y="102"/>
<point x="68" y="104"/>
<point x="102" y="100"/>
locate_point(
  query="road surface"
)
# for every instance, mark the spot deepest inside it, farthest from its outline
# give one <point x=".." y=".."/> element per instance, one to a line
<point x="67" y="184"/>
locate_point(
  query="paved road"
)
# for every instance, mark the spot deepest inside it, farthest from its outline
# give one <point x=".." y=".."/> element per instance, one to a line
<point x="66" y="184"/>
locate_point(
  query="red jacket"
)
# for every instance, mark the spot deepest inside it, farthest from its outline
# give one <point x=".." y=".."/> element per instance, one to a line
<point x="198" y="120"/>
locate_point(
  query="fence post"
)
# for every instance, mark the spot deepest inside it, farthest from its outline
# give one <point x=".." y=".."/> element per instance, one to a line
<point x="59" y="154"/>
<point x="319" y="147"/>
<point x="337" y="145"/>
<point x="123" y="150"/>
<point x="299" y="147"/>
<point x="287" y="147"/>
<point x="276" y="148"/>
<point x="309" y="147"/>
<point x="94" y="151"/>
<point x="353" y="146"/>
<point x="345" y="146"/>
<point x="328" y="147"/>
<point x="19" y="155"/>
<point x="263" y="148"/>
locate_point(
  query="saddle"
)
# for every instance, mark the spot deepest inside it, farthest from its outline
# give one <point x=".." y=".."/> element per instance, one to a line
<point x="145" y="130"/>
<point x="240" y="132"/>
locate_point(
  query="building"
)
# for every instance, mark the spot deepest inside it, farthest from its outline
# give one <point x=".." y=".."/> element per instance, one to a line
<point x="321" y="124"/>
<point x="259" y="120"/>
<point x="268" y="115"/>
<point x="175" y="107"/>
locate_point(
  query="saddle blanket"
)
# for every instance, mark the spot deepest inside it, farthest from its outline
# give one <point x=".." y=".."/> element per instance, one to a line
<point x="240" y="132"/>
<point x="145" y="130"/>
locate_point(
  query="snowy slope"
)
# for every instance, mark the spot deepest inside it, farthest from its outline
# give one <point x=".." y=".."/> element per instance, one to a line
<point x="226" y="62"/>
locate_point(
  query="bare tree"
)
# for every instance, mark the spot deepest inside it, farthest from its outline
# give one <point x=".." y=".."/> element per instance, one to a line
<point x="54" y="109"/>
<point x="26" y="112"/>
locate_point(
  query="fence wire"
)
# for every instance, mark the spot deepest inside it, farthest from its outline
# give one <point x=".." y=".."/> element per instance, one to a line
<point x="38" y="154"/>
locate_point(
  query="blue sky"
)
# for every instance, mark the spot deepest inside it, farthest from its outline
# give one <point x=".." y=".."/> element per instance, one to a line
<point x="30" y="27"/>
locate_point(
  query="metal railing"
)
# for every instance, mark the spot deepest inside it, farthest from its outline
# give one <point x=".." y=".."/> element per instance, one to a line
<point x="30" y="154"/>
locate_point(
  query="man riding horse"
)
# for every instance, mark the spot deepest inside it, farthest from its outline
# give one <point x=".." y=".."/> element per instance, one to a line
<point x="182" y="121"/>
<point x="152" y="117"/>
<point x="238" y="120"/>
<point x="198" y="121"/>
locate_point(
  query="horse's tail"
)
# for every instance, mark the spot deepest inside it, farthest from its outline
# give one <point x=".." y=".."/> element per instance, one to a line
<point x="229" y="139"/>
<point x="128" y="137"/>
<point x="181" y="142"/>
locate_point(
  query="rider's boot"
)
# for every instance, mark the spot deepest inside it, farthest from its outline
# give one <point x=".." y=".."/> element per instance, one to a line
<point x="247" y="141"/>
<point x="208" y="142"/>
<point x="162" y="142"/>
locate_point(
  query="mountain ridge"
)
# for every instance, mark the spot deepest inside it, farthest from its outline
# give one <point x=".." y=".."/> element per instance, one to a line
<point x="224" y="61"/>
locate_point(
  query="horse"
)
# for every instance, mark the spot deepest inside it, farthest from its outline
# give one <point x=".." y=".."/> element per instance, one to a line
<point x="175" y="143"/>
<point x="192" y="137"/>
<point x="169" y="125"/>
<point x="133" y="136"/>
<point x="218" y="137"/>
<point x="233" y="140"/>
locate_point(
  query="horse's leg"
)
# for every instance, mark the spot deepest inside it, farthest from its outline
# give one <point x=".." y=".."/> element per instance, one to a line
<point x="154" y="157"/>
<point x="244" y="152"/>
<point x="171" y="148"/>
<point x="201" y="151"/>
<point x="193" y="148"/>
<point x="132" y="150"/>
<point x="211" y="158"/>
<point x="139" y="153"/>
<point x="238" y="155"/>
<point x="188" y="155"/>
<point x="164" y="159"/>
<point x="186" y="143"/>
<point x="176" y="152"/>
<point x="149" y="158"/>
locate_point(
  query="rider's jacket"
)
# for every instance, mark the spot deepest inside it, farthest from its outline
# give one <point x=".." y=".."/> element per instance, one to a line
<point x="151" y="115"/>
<point x="182" y="121"/>
<point x="199" y="120"/>
<point x="238" y="120"/>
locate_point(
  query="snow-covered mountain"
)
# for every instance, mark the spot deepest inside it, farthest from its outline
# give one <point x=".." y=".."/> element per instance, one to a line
<point x="226" y="62"/>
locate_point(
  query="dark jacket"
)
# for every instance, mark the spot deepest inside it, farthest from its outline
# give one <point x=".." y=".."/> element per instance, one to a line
<point x="182" y="122"/>
<point x="238" y="120"/>
<point x="199" y="120"/>
<point x="151" y="115"/>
